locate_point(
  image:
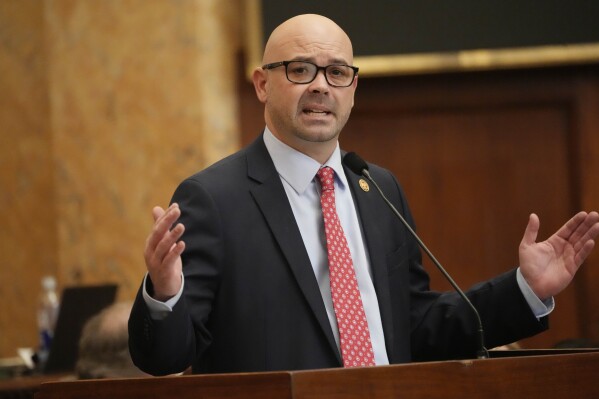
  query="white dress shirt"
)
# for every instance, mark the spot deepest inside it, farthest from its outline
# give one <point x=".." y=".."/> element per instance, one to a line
<point x="297" y="172"/>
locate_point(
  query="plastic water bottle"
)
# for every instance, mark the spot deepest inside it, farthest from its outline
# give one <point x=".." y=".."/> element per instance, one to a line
<point x="46" y="317"/>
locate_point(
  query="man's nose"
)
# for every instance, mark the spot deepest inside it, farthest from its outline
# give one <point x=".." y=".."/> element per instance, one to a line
<point x="319" y="84"/>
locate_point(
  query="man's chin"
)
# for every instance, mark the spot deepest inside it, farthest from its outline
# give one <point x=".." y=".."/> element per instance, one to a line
<point x="318" y="136"/>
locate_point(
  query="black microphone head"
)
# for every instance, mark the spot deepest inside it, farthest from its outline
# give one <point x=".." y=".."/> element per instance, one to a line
<point x="355" y="163"/>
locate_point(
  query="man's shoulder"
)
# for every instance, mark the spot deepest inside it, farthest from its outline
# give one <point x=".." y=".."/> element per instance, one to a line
<point x="247" y="166"/>
<point x="231" y="165"/>
<point x="379" y="170"/>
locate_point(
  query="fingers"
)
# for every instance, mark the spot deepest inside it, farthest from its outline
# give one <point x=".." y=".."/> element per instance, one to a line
<point x="584" y="227"/>
<point x="532" y="230"/>
<point x="574" y="228"/>
<point x="162" y="246"/>
<point x="583" y="240"/>
<point x="169" y="243"/>
<point x="163" y="220"/>
<point x="157" y="212"/>
<point x="579" y="235"/>
<point x="589" y="228"/>
<point x="582" y="254"/>
<point x="174" y="252"/>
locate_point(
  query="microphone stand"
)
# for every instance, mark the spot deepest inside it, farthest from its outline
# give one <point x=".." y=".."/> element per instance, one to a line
<point x="482" y="352"/>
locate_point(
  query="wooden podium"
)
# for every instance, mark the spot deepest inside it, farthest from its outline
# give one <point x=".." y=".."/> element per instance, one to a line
<point x="545" y="377"/>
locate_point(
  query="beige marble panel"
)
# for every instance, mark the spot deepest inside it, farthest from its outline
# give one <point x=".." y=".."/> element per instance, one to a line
<point x="218" y="26"/>
<point x="106" y="107"/>
<point x="131" y="117"/>
<point x="28" y="244"/>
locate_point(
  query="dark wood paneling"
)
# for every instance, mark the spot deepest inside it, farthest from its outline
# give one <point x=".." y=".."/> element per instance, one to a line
<point x="587" y="178"/>
<point x="476" y="154"/>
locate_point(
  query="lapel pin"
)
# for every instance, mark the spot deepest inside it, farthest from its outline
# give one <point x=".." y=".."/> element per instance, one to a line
<point x="364" y="185"/>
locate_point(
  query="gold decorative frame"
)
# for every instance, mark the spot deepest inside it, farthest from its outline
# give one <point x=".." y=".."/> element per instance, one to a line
<point x="428" y="63"/>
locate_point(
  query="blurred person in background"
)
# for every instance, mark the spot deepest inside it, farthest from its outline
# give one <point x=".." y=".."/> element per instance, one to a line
<point x="103" y="346"/>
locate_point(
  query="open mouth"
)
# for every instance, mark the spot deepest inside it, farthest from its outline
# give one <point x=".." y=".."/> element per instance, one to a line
<point x="315" y="112"/>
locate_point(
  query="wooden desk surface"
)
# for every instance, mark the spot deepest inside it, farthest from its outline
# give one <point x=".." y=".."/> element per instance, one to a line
<point x="27" y="386"/>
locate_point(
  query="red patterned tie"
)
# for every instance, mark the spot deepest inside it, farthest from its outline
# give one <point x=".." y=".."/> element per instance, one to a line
<point x="356" y="348"/>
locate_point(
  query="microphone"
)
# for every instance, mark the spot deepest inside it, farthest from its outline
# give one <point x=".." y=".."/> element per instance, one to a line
<point x="359" y="167"/>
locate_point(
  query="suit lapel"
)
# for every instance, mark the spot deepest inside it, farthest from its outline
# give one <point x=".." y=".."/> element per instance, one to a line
<point x="270" y="197"/>
<point x="369" y="203"/>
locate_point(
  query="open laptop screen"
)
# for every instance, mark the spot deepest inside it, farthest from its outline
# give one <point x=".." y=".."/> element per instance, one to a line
<point x="77" y="305"/>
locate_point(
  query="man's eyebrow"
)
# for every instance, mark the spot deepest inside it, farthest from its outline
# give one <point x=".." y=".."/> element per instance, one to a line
<point x="334" y="61"/>
<point x="339" y="61"/>
<point x="307" y="59"/>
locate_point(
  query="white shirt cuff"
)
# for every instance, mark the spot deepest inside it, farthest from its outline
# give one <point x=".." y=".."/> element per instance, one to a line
<point x="159" y="310"/>
<point x="538" y="307"/>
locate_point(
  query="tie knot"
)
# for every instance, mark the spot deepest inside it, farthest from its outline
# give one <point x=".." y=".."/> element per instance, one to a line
<point x="326" y="177"/>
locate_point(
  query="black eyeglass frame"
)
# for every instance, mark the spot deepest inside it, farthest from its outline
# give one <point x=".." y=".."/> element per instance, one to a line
<point x="318" y="68"/>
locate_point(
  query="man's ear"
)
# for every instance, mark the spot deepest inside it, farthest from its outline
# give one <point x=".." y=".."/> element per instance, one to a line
<point x="260" y="81"/>
<point x="354" y="87"/>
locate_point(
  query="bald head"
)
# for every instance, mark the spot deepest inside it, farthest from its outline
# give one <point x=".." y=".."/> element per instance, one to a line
<point x="307" y="115"/>
<point x="114" y="318"/>
<point x="305" y="33"/>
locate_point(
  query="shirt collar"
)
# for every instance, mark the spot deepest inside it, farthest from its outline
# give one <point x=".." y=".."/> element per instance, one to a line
<point x="298" y="169"/>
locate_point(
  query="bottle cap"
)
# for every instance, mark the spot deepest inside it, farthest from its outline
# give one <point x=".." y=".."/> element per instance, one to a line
<point x="49" y="283"/>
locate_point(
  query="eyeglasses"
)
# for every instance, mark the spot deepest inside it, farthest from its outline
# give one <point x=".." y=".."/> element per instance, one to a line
<point x="304" y="72"/>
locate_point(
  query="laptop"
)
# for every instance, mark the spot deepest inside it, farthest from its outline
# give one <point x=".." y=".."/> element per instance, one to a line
<point x="77" y="305"/>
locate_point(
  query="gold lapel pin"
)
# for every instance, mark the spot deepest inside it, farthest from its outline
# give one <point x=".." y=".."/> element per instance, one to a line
<point x="364" y="185"/>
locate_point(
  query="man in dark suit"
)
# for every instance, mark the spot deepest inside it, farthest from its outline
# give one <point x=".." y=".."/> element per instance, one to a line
<point x="240" y="271"/>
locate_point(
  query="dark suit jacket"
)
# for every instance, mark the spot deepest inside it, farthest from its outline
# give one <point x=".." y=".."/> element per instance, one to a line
<point x="251" y="301"/>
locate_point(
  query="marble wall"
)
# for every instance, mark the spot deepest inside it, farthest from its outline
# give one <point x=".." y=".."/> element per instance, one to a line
<point x="105" y="107"/>
<point x="28" y="218"/>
